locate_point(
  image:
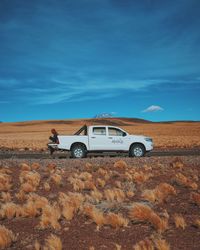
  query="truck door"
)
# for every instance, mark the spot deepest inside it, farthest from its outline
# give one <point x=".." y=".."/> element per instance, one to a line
<point x="98" y="138"/>
<point x="117" y="139"/>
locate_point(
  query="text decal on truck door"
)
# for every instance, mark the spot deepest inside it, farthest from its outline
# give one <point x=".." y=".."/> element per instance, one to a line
<point x="115" y="141"/>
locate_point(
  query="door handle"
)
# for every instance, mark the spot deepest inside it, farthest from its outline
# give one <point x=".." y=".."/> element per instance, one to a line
<point x="93" y="137"/>
<point x="109" y="137"/>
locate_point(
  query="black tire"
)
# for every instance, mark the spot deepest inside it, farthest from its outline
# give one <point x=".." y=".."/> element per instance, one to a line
<point x="78" y="151"/>
<point x="137" y="150"/>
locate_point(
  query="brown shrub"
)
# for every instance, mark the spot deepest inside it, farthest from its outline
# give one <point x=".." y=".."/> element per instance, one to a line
<point x="6" y="237"/>
<point x="179" y="221"/>
<point x="53" y="242"/>
<point x="144" y="213"/>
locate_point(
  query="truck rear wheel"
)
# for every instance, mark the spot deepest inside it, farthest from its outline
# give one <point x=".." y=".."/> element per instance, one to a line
<point x="78" y="151"/>
<point x="137" y="150"/>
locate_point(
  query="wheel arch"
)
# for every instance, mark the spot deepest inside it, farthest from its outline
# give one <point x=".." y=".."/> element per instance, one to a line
<point x="78" y="143"/>
<point x="137" y="143"/>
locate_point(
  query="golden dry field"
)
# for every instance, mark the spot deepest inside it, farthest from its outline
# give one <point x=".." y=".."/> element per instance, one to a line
<point x="112" y="204"/>
<point x="34" y="135"/>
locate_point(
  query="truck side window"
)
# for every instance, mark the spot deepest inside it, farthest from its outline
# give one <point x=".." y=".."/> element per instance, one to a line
<point x="99" y="131"/>
<point x="115" y="132"/>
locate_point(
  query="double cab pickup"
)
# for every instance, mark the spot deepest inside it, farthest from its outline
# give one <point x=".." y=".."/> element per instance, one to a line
<point x="103" y="139"/>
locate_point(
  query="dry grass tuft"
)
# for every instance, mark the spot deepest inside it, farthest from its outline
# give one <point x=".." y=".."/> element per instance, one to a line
<point x="5" y="197"/>
<point x="116" y="220"/>
<point x="160" y="193"/>
<point x="152" y="244"/>
<point x="56" y="178"/>
<point x="177" y="163"/>
<point x="144" y="213"/>
<point x="51" y="167"/>
<point x="179" y="221"/>
<point x="78" y="185"/>
<point x="114" y="194"/>
<point x="94" y="214"/>
<point x="84" y="176"/>
<point x="96" y="195"/>
<point x="27" y="188"/>
<point x="186" y="182"/>
<point x="5" y="182"/>
<point x="37" y="245"/>
<point x="145" y="244"/>
<point x="50" y="216"/>
<point x="9" y="210"/>
<point x="47" y="187"/>
<point x="30" y="209"/>
<point x="121" y="165"/>
<point x="6" y="237"/>
<point x="140" y="177"/>
<point x="53" y="242"/>
<point x="195" y="197"/>
<point x="130" y="194"/>
<point x="35" y="166"/>
<point x="33" y="178"/>
<point x="70" y="204"/>
<point x="25" y="167"/>
<point x="21" y="196"/>
<point x="161" y="244"/>
<point x="100" y="182"/>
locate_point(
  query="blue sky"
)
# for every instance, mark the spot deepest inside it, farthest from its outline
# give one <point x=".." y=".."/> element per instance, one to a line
<point x="64" y="59"/>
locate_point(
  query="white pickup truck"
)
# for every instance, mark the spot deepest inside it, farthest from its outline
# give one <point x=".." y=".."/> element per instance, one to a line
<point x="103" y="139"/>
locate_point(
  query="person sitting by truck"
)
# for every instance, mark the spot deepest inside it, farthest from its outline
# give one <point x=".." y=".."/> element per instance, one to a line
<point x="54" y="139"/>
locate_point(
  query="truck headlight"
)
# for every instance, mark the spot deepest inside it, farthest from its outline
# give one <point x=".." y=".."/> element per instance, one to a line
<point x="148" y="139"/>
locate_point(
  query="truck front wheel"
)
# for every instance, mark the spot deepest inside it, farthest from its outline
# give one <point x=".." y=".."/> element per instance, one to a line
<point x="137" y="150"/>
<point x="78" y="151"/>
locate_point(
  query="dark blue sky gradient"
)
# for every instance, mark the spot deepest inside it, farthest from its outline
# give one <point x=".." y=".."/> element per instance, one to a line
<point x="77" y="58"/>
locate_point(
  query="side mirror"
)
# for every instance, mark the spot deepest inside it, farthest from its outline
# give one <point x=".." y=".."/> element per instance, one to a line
<point x="124" y="134"/>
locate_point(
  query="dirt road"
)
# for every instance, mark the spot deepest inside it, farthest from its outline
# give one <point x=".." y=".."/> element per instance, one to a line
<point x="61" y="155"/>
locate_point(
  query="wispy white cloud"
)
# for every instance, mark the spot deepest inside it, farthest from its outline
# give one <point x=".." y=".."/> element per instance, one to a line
<point x="153" y="108"/>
